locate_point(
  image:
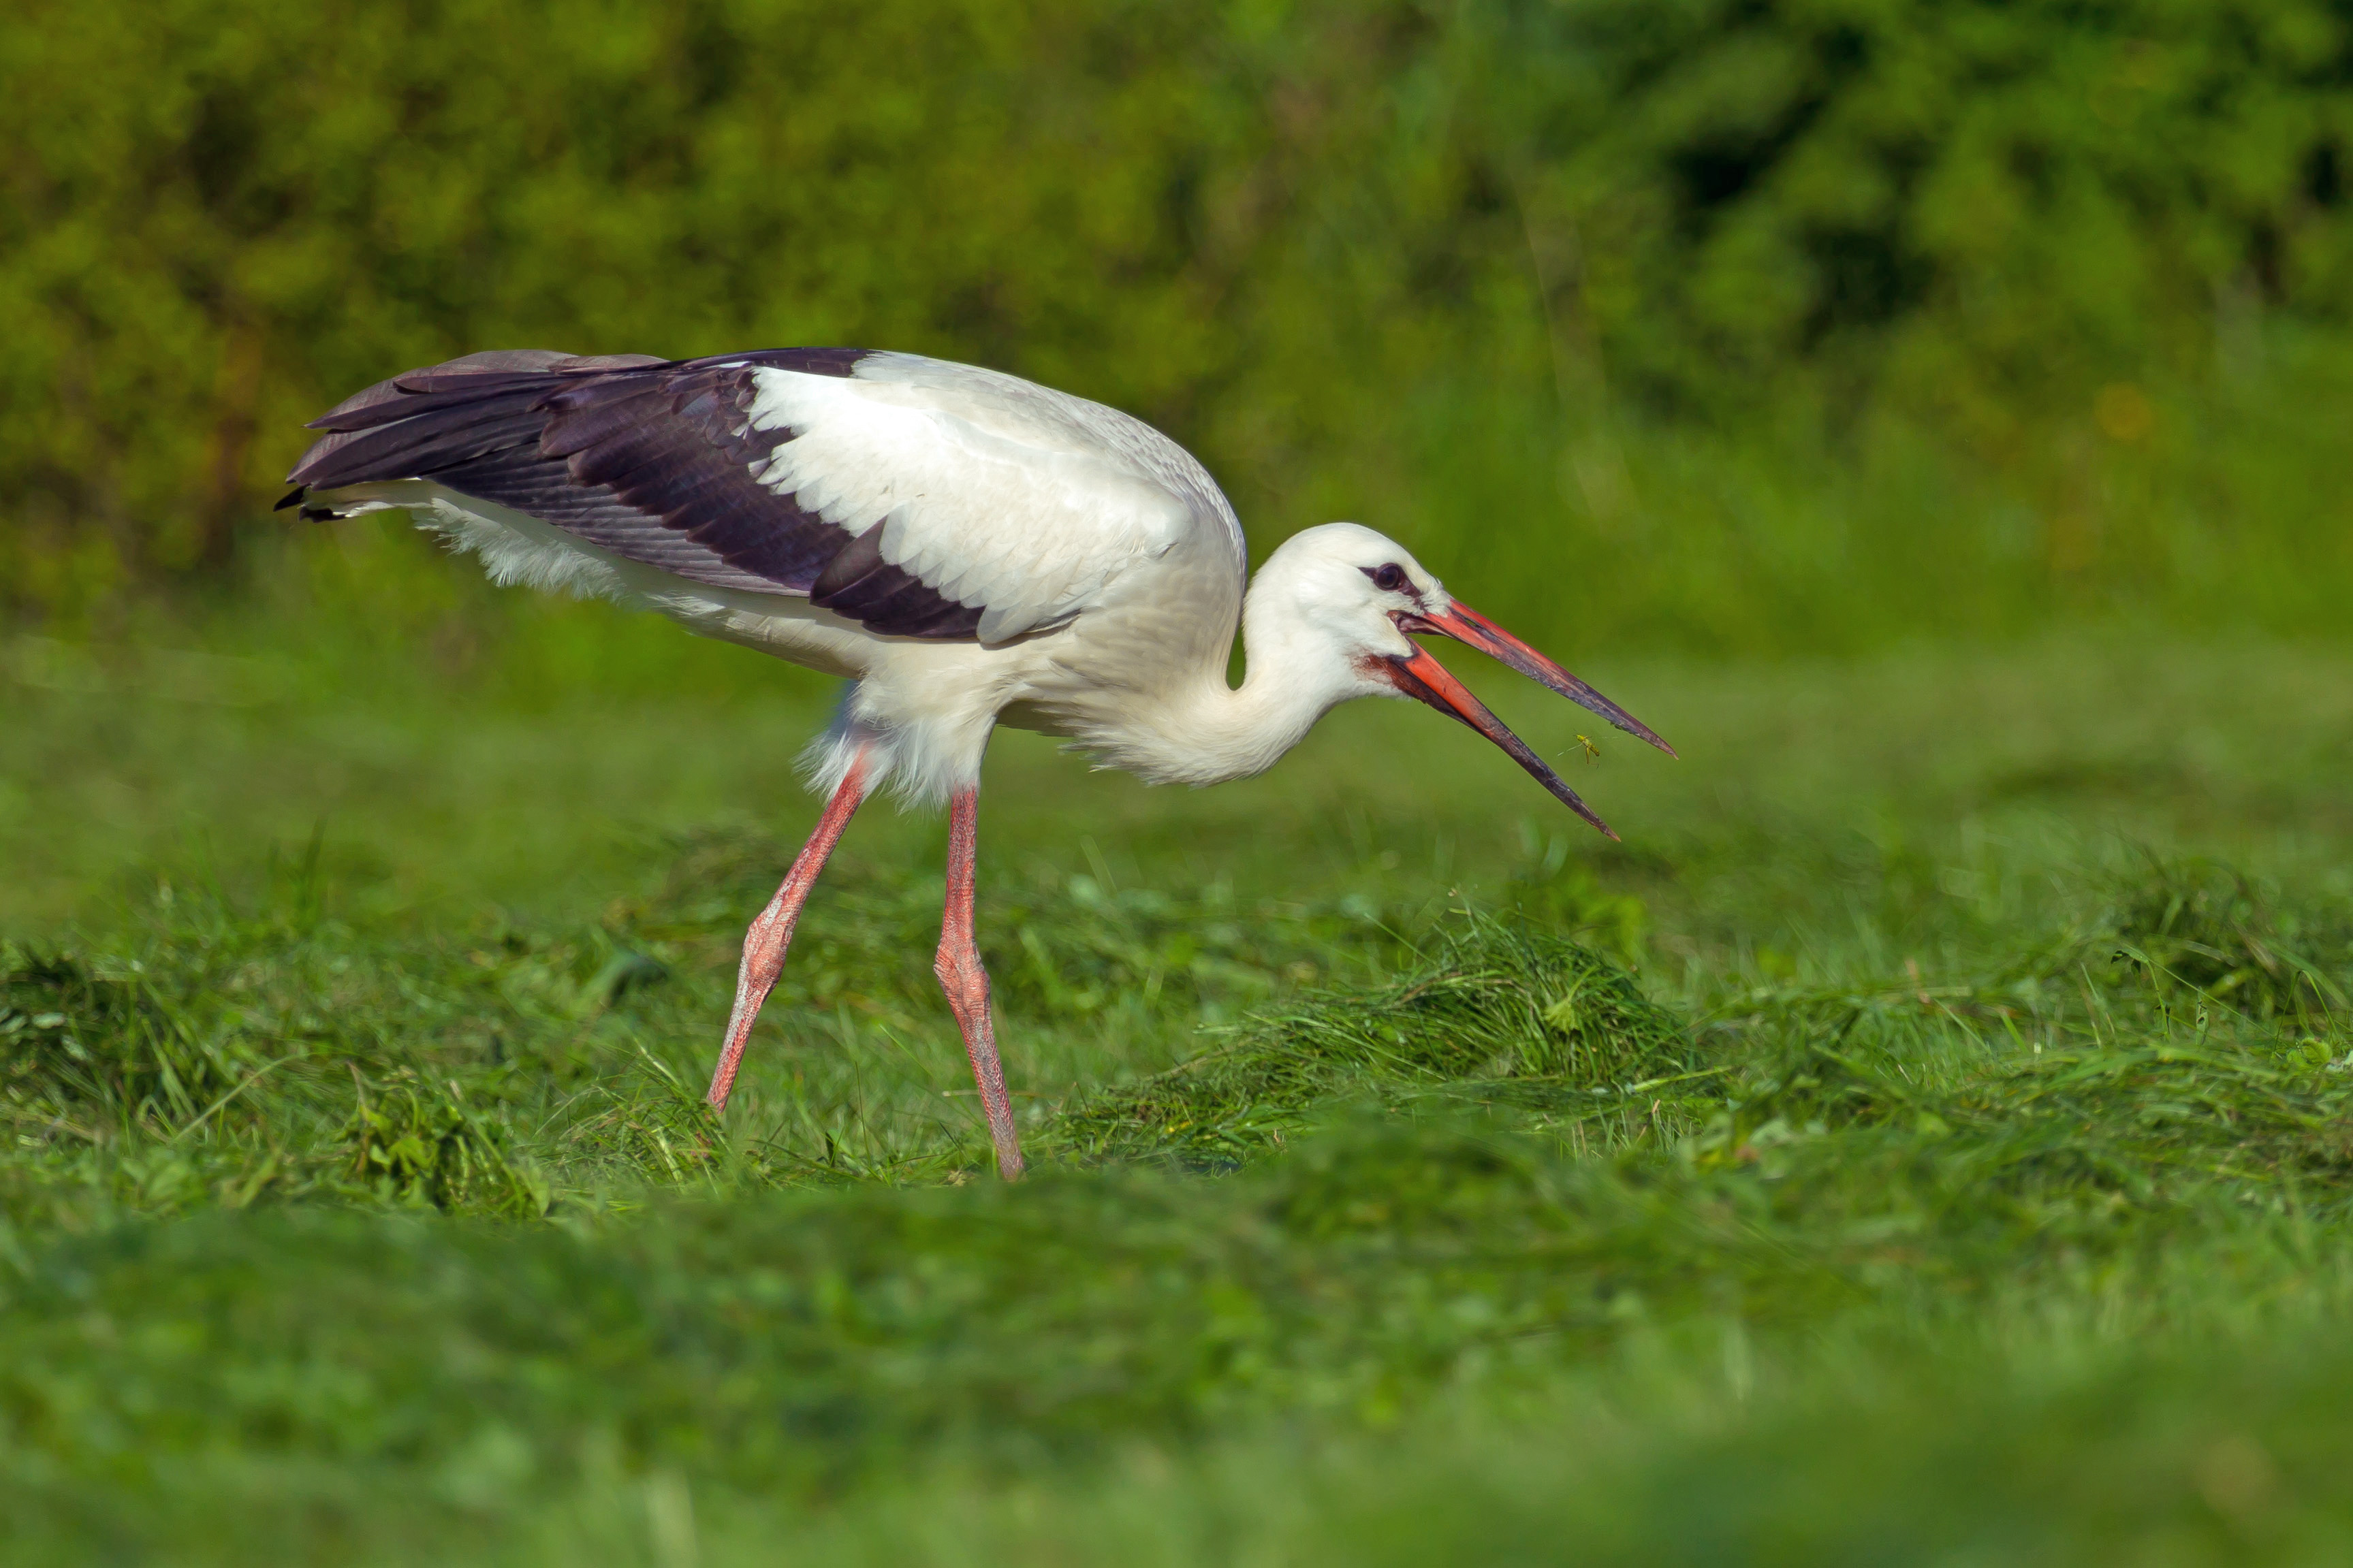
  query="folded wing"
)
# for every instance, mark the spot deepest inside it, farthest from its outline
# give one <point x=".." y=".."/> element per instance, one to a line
<point x="918" y="498"/>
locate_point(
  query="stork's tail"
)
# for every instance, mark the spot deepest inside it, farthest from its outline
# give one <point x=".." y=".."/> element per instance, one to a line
<point x="348" y="423"/>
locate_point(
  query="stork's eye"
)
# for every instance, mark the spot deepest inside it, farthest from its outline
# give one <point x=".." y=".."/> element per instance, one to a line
<point x="1388" y="579"/>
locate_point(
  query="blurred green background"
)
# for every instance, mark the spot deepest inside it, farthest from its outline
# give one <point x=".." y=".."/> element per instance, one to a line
<point x="1923" y="1139"/>
<point x="1707" y="325"/>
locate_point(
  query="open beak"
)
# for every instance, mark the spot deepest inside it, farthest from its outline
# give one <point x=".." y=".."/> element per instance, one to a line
<point x="1419" y="675"/>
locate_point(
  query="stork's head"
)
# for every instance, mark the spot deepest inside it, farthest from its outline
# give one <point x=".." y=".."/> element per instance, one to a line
<point x="1354" y="599"/>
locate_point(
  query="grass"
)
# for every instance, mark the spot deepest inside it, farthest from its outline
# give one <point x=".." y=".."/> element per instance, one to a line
<point x="1925" y="1139"/>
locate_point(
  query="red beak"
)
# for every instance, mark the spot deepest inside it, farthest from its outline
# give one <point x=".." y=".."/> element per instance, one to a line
<point x="1418" y="675"/>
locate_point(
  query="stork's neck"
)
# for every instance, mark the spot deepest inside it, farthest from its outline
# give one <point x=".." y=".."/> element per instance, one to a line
<point x="1199" y="731"/>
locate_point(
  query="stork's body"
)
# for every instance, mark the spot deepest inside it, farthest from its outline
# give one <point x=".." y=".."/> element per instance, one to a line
<point x="969" y="548"/>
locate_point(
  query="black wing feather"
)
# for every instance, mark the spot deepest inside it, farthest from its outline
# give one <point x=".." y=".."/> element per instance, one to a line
<point x="653" y="460"/>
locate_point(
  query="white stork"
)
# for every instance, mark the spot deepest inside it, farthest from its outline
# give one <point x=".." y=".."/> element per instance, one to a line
<point x="969" y="548"/>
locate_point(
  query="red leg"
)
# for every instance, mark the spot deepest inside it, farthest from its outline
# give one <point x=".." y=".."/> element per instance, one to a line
<point x="765" y="943"/>
<point x="966" y="983"/>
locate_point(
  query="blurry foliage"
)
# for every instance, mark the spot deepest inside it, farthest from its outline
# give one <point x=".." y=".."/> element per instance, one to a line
<point x="1582" y="291"/>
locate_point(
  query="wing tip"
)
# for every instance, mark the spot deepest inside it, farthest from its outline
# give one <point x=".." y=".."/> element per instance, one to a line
<point x="295" y="497"/>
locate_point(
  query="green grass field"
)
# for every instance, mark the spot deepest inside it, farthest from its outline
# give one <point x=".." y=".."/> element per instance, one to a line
<point x="1926" y="1139"/>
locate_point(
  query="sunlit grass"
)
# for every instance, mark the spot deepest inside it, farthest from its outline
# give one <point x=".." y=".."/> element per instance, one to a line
<point x="1943" y="1089"/>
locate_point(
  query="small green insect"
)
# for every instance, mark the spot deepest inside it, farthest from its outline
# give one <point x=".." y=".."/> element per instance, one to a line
<point x="1592" y="753"/>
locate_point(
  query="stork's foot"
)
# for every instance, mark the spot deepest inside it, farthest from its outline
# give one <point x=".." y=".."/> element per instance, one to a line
<point x="772" y="933"/>
<point x="966" y="985"/>
<point x="966" y="982"/>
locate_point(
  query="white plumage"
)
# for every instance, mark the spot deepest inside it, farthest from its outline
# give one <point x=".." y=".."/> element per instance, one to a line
<point x="969" y="548"/>
<point x="994" y="491"/>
